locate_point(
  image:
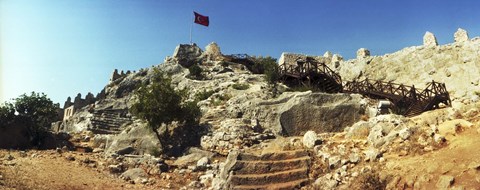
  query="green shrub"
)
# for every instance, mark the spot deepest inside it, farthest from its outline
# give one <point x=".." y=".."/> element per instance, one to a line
<point x="35" y="111"/>
<point x="196" y="71"/>
<point x="269" y="67"/>
<point x="203" y="95"/>
<point x="160" y="104"/>
<point x="224" y="64"/>
<point x="243" y="86"/>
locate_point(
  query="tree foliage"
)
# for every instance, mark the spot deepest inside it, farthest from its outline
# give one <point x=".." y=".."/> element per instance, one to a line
<point x="160" y="104"/>
<point x="268" y="66"/>
<point x="195" y="71"/>
<point x="35" y="111"/>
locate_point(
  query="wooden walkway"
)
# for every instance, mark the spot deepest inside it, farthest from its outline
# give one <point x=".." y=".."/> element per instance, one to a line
<point x="407" y="100"/>
<point x="313" y="74"/>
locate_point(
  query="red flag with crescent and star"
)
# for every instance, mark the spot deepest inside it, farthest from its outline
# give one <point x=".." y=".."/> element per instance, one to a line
<point x="200" y="19"/>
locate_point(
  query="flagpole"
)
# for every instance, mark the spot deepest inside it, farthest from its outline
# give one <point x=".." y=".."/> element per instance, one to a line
<point x="191" y="26"/>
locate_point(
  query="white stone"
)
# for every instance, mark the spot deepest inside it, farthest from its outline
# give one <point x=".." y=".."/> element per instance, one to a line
<point x="372" y="154"/>
<point x="310" y="139"/>
<point x="404" y="133"/>
<point x="336" y="58"/>
<point x="460" y="35"/>
<point x="328" y="54"/>
<point x="203" y="162"/>
<point x="333" y="161"/>
<point x="362" y="53"/>
<point x="429" y="39"/>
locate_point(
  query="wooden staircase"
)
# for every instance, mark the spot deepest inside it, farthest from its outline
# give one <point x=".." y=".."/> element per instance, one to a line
<point x="313" y="74"/>
<point x="279" y="170"/>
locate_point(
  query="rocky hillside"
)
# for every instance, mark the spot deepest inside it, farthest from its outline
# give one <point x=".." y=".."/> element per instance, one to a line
<point x="456" y="64"/>
<point x="252" y="137"/>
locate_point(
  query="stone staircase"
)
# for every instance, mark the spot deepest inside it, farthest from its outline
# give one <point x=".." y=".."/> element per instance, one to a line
<point x="109" y="121"/>
<point x="278" y="170"/>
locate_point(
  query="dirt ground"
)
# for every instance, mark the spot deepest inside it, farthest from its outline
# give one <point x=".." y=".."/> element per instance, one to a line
<point x="51" y="170"/>
<point x="459" y="159"/>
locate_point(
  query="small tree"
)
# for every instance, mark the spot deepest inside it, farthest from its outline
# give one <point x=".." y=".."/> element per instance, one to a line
<point x="35" y="111"/>
<point x="7" y="114"/>
<point x="160" y="104"/>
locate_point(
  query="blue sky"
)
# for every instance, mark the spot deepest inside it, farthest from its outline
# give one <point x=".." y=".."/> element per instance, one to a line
<point x="67" y="47"/>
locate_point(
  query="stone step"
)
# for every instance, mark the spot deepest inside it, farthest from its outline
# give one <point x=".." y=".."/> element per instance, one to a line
<point x="284" y="155"/>
<point x="104" y="131"/>
<point x="263" y="166"/>
<point x="277" y="186"/>
<point x="111" y="118"/>
<point x="268" y="178"/>
<point x="97" y="122"/>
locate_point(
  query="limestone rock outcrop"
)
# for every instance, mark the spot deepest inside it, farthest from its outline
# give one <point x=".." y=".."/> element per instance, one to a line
<point x="362" y="53"/>
<point x="460" y="35"/>
<point x="297" y="113"/>
<point x="456" y="64"/>
<point x="429" y="40"/>
<point x="292" y="58"/>
<point x="212" y="52"/>
<point x="187" y="55"/>
<point x="137" y="136"/>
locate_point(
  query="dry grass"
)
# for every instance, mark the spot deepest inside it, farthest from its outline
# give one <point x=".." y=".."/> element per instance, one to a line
<point x="370" y="181"/>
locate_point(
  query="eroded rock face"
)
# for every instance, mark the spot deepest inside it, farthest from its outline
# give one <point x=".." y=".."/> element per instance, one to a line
<point x="138" y="138"/>
<point x="212" y="52"/>
<point x="461" y="35"/>
<point x="298" y="112"/>
<point x="187" y="55"/>
<point x="456" y="64"/>
<point x="429" y="40"/>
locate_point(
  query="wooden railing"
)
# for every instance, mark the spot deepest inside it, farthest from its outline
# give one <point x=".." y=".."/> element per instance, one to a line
<point x="408" y="100"/>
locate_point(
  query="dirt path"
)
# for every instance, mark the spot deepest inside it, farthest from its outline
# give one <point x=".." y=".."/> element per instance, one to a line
<point x="51" y="170"/>
<point x="460" y="160"/>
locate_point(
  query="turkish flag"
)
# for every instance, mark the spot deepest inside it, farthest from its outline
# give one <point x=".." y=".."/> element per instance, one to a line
<point x="200" y="19"/>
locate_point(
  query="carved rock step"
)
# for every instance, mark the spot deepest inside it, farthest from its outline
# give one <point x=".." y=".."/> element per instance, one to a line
<point x="284" y="155"/>
<point x="260" y="166"/>
<point x="277" y="186"/>
<point x="270" y="178"/>
<point x="276" y="170"/>
<point x="104" y="131"/>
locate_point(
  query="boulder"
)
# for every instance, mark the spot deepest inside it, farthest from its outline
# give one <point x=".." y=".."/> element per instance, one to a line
<point x="126" y="150"/>
<point x="359" y="130"/>
<point x="372" y="154"/>
<point x="193" y="155"/>
<point x="319" y="112"/>
<point x="453" y="127"/>
<point x="202" y="163"/>
<point x="460" y="35"/>
<point x="135" y="139"/>
<point x="362" y="53"/>
<point x="137" y="175"/>
<point x="295" y="113"/>
<point x="445" y="181"/>
<point x="429" y="40"/>
<point x="187" y="55"/>
<point x="310" y="139"/>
